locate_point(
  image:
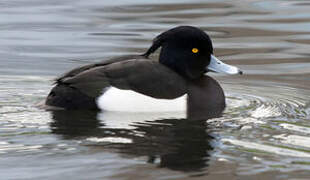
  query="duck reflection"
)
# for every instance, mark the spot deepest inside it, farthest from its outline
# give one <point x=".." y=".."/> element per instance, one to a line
<point x="177" y="144"/>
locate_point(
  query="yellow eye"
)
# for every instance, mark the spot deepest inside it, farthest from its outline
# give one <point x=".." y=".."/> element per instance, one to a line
<point x="195" y="50"/>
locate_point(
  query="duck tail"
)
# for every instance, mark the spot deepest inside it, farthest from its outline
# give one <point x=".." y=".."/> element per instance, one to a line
<point x="65" y="97"/>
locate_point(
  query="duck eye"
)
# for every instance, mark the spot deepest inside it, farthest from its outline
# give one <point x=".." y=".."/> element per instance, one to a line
<point x="195" y="50"/>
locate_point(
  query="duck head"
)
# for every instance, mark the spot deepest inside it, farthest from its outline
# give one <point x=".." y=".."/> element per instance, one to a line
<point x="188" y="50"/>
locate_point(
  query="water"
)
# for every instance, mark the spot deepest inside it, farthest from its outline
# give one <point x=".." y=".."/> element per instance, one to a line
<point x="264" y="131"/>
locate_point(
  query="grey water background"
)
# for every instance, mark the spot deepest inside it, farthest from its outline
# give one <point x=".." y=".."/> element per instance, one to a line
<point x="264" y="131"/>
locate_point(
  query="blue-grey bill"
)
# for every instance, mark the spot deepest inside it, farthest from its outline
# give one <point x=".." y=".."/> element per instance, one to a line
<point x="218" y="66"/>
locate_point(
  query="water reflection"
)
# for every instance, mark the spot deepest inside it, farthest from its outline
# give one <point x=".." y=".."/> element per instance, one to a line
<point x="73" y="124"/>
<point x="177" y="144"/>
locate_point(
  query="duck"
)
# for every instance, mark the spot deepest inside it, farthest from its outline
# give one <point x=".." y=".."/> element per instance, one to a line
<point x="186" y="56"/>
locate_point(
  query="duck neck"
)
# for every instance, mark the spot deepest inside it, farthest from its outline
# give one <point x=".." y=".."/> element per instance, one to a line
<point x="206" y="99"/>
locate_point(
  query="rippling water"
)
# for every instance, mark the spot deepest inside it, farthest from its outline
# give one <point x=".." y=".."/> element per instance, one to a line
<point x="263" y="134"/>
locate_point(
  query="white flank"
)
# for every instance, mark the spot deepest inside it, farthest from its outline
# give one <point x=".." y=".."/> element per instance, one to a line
<point x="115" y="99"/>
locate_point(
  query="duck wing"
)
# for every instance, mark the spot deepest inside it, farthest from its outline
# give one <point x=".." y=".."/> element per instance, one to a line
<point x="141" y="75"/>
<point x="83" y="68"/>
